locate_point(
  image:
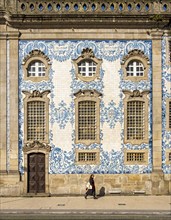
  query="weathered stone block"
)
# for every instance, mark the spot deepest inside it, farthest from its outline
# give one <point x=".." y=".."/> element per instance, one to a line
<point x="134" y="178"/>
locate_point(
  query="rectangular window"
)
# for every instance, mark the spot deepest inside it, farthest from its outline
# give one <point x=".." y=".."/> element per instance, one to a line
<point x="86" y="120"/>
<point x="135" y="157"/>
<point x="87" y="156"/>
<point x="170" y="51"/>
<point x="135" y="120"/>
<point x="169" y="156"/>
<point x="132" y="157"/>
<point x="36" y="115"/>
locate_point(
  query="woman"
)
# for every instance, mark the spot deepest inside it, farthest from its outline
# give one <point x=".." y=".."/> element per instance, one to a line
<point x="92" y="187"/>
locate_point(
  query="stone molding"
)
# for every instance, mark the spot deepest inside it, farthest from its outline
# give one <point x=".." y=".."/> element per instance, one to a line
<point x="36" y="146"/>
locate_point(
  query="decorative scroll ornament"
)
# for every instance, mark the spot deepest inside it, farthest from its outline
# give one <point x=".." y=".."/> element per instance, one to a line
<point x="136" y="93"/>
<point x="36" y="94"/>
<point x="87" y="53"/>
<point x="87" y="93"/>
<point x="36" y="54"/>
<point x="36" y="145"/>
<point x="135" y="53"/>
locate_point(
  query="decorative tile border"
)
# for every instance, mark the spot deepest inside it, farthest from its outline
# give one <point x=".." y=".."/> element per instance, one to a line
<point x="166" y="78"/>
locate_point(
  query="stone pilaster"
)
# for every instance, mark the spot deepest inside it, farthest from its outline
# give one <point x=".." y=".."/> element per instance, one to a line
<point x="3" y="85"/>
<point x="157" y="100"/>
<point x="13" y="100"/>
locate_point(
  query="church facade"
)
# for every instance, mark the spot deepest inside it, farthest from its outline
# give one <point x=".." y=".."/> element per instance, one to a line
<point x="85" y="88"/>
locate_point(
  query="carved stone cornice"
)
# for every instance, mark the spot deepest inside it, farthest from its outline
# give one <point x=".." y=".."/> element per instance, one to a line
<point x="83" y="14"/>
<point x="36" y="145"/>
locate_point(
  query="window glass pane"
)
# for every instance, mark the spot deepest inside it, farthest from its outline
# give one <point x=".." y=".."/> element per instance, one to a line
<point x="135" y="68"/>
<point x="87" y="68"/>
<point x="36" y="68"/>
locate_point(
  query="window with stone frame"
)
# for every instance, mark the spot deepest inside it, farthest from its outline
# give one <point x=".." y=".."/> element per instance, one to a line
<point x="135" y="66"/>
<point x="168" y="114"/>
<point x="36" y="66"/>
<point x="168" y="156"/>
<point x="87" y="156"/>
<point x="87" y="66"/>
<point x="135" y="117"/>
<point x="87" y="123"/>
<point x="132" y="157"/>
<point x="170" y="51"/>
<point x="36" y="116"/>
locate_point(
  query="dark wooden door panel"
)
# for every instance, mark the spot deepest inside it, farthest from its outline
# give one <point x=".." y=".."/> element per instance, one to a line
<point x="36" y="173"/>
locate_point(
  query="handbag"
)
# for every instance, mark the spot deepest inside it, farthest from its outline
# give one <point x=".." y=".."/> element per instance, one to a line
<point x="88" y="186"/>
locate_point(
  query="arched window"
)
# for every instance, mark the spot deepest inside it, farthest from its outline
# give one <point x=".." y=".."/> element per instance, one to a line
<point x="135" y="66"/>
<point x="87" y="66"/>
<point x="36" y="66"/>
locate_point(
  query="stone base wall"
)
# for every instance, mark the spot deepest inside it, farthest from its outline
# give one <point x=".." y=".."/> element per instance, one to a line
<point x="75" y="184"/>
<point x="10" y="185"/>
<point x="155" y="183"/>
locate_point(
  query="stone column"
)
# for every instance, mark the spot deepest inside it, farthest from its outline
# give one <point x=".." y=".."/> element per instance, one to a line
<point x="157" y="100"/>
<point x="3" y="86"/>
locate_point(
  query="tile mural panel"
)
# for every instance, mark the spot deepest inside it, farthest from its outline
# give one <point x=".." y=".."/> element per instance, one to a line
<point x="63" y="84"/>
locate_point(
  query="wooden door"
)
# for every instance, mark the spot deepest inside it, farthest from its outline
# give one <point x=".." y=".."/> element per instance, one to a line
<point x="36" y="173"/>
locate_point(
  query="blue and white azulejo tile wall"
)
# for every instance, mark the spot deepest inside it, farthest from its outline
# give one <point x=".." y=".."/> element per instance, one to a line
<point x="166" y="94"/>
<point x="63" y="84"/>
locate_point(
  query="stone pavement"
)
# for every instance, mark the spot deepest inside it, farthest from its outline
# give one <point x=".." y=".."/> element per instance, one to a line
<point x="70" y="207"/>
